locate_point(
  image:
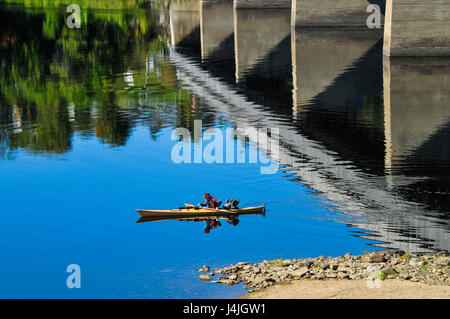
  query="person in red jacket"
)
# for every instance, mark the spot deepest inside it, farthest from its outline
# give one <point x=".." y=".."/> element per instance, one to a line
<point x="211" y="201"/>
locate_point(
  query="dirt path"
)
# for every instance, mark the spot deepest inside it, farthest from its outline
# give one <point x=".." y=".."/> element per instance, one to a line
<point x="351" y="289"/>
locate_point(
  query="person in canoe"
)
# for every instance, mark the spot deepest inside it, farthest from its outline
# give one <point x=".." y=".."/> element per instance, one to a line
<point x="211" y="202"/>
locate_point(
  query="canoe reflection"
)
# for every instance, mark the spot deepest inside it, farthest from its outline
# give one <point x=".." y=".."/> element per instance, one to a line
<point x="212" y="222"/>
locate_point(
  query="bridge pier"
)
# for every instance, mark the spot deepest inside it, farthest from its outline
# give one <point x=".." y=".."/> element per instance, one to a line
<point x="330" y="13"/>
<point x="262" y="4"/>
<point x="417" y="28"/>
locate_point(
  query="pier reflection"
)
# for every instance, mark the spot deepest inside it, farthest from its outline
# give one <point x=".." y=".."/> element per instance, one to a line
<point x="367" y="133"/>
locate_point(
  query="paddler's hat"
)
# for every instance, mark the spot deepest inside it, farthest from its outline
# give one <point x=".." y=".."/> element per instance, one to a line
<point x="207" y="195"/>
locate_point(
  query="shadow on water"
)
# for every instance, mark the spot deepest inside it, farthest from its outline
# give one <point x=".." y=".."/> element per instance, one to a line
<point x="335" y="90"/>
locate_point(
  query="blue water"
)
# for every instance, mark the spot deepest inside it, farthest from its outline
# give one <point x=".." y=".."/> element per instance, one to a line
<point x="86" y="120"/>
<point x="79" y="209"/>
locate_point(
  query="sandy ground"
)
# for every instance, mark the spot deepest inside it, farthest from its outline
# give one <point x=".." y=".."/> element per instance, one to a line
<point x="351" y="289"/>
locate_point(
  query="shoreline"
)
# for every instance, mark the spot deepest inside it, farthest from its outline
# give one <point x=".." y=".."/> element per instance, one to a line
<point x="351" y="289"/>
<point x="381" y="274"/>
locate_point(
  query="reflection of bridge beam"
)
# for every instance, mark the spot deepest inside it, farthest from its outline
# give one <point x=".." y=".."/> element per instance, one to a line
<point x="417" y="28"/>
<point x="263" y="4"/>
<point x="416" y="95"/>
<point x="331" y="13"/>
<point x="351" y="191"/>
<point x="216" y="24"/>
<point x="184" y="18"/>
<point x="256" y="33"/>
<point x="320" y="56"/>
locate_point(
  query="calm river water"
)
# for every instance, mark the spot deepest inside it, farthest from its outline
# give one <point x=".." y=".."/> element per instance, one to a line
<point x="86" y="122"/>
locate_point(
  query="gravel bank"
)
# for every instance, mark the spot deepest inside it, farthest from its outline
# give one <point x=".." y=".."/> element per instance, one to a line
<point x="369" y="270"/>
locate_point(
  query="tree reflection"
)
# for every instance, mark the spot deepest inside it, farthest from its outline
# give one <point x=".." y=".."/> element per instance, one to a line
<point x="99" y="80"/>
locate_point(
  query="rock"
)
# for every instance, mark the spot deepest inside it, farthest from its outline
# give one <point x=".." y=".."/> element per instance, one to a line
<point x="394" y="261"/>
<point x="378" y="275"/>
<point x="309" y="262"/>
<point x="405" y="274"/>
<point x="228" y="282"/>
<point x="305" y="263"/>
<point x="287" y="262"/>
<point x="334" y="266"/>
<point x="414" y="262"/>
<point x="205" y="277"/>
<point x="256" y="270"/>
<point x="233" y="277"/>
<point x="246" y="267"/>
<point x="325" y="265"/>
<point x="204" y="269"/>
<point x="443" y="261"/>
<point x="390" y="271"/>
<point x="300" y="272"/>
<point x="343" y="275"/>
<point x="442" y="253"/>
<point x="372" y="269"/>
<point x="389" y="253"/>
<point x="218" y="271"/>
<point x="400" y="252"/>
<point x="376" y="258"/>
<point x="233" y="268"/>
<point x="343" y="268"/>
<point x="331" y="275"/>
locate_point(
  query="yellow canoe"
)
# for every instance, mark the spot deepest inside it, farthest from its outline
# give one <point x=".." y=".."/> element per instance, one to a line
<point x="192" y="211"/>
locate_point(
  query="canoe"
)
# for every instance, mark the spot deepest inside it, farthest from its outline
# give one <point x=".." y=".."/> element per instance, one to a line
<point x="196" y="212"/>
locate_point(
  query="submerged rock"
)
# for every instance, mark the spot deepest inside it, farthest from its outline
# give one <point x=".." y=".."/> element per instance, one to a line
<point x="205" y="268"/>
<point x="205" y="277"/>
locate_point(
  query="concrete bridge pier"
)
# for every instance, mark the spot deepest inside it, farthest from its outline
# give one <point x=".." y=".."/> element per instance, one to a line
<point x="330" y="13"/>
<point x="261" y="4"/>
<point x="417" y="28"/>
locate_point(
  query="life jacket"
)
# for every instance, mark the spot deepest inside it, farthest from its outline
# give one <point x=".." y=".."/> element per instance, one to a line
<point x="214" y="202"/>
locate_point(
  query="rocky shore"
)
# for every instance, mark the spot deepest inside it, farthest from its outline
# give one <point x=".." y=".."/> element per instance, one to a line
<point x="381" y="265"/>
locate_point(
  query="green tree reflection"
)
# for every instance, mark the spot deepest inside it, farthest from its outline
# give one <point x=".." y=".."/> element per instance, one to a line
<point x="99" y="80"/>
